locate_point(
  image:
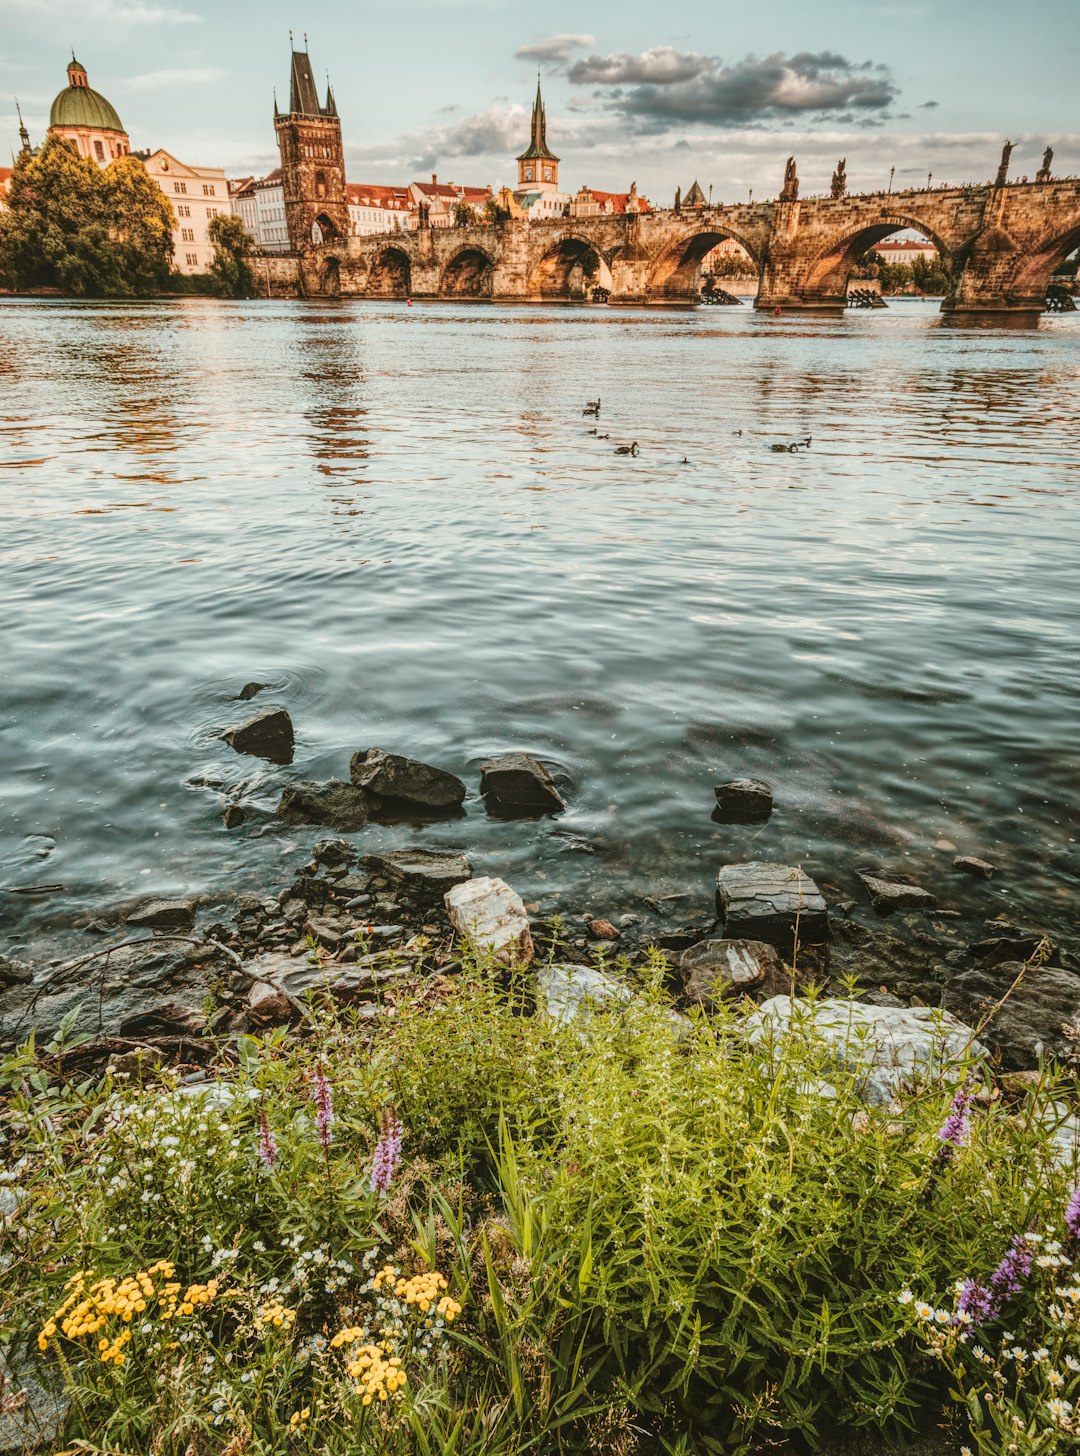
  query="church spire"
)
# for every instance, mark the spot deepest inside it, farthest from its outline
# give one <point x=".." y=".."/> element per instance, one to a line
<point x="538" y="166"/>
<point x="24" y="135"/>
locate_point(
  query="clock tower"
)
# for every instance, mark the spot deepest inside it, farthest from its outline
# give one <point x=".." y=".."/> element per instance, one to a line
<point x="538" y="166"/>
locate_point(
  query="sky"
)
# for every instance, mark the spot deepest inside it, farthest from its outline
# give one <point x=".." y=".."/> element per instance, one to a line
<point x="711" y="90"/>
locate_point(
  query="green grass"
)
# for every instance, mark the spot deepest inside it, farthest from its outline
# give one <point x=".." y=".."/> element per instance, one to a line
<point x="661" y="1240"/>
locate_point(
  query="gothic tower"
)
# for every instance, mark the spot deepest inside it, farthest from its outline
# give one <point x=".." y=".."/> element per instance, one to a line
<point x="312" y="161"/>
<point x="538" y="166"/>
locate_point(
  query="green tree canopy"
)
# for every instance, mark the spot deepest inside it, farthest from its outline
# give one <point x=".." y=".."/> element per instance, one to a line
<point x="73" y="227"/>
<point x="230" y="267"/>
<point x="141" y="224"/>
<point x="464" y="215"/>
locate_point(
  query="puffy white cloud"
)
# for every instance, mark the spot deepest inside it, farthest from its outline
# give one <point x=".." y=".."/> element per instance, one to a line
<point x="555" y="49"/>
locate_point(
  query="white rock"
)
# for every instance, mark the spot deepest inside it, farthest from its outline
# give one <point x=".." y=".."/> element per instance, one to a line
<point x="491" y="915"/>
<point x="894" y="1045"/>
<point x="563" y="992"/>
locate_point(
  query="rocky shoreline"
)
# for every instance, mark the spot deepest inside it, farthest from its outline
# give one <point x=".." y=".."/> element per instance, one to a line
<point x="359" y="928"/>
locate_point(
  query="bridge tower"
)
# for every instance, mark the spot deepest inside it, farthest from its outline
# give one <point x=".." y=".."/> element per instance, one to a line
<point x="538" y="166"/>
<point x="312" y="160"/>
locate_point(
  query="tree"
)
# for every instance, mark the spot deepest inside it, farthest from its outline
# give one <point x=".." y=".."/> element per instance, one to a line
<point x="141" y="225"/>
<point x="464" y="215"/>
<point x="230" y="267"/>
<point x="491" y="211"/>
<point x="55" y="231"/>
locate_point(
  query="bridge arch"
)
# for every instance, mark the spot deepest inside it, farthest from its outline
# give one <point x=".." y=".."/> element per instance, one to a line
<point x="675" y="272"/>
<point x="469" y="273"/>
<point x="1033" y="276"/>
<point x="324" y="230"/>
<point x="833" y="263"/>
<point x="560" y="272"/>
<point x="390" y="274"/>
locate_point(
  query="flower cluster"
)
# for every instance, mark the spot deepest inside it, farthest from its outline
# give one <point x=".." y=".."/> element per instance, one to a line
<point x="274" y="1315"/>
<point x="324" y="1109"/>
<point x="422" y="1290"/>
<point x="981" y="1302"/>
<point x="377" y="1373"/>
<point x="387" y="1153"/>
<point x="89" y="1307"/>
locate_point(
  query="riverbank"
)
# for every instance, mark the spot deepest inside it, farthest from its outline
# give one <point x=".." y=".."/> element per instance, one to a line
<point x="660" y="1211"/>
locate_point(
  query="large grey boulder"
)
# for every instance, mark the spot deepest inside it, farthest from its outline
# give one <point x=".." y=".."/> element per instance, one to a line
<point x="294" y="980"/>
<point x="405" y="780"/>
<point x="715" y="971"/>
<point x="887" y="1047"/>
<point x="267" y="735"/>
<point x="519" y="783"/>
<point x="772" y="902"/>
<point x="420" y="875"/>
<point x="33" y="1404"/>
<point x="1039" y="1019"/>
<point x="491" y="916"/>
<point x="336" y="804"/>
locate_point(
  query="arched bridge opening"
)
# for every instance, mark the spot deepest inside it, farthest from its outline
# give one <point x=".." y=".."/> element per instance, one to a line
<point x="568" y="271"/>
<point x="469" y="274"/>
<point x="324" y="230"/>
<point x="1050" y="264"/>
<point x="849" y="267"/>
<point x="390" y="275"/>
<point x="677" y="274"/>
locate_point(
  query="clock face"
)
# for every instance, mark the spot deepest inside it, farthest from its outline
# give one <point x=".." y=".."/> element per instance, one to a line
<point x="528" y="174"/>
<point x="547" y="174"/>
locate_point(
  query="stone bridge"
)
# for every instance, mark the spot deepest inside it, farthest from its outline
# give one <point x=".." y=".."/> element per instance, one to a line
<point x="1000" y="245"/>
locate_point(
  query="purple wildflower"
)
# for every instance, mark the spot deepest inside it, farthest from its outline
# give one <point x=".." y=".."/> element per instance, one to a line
<point x="387" y="1153"/>
<point x="984" y="1301"/>
<point x="1072" y="1218"/>
<point x="956" y="1129"/>
<point x="324" y="1114"/>
<point x="267" y="1145"/>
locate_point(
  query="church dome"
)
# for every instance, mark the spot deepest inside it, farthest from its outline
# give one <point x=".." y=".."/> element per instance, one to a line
<point x="79" y="106"/>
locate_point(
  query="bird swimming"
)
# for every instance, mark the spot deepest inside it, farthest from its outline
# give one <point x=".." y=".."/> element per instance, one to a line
<point x="627" y="449"/>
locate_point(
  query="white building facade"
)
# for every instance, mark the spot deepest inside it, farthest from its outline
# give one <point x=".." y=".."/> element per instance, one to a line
<point x="197" y="195"/>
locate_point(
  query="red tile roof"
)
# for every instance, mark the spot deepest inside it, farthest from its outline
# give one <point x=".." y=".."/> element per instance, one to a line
<point x="616" y="201"/>
<point x="372" y="194"/>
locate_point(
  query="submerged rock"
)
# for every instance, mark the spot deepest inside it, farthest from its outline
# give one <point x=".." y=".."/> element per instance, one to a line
<point x="1040" y="1017"/>
<point x="164" y="915"/>
<point x="249" y="690"/>
<point x="405" y="780"/>
<point x="894" y="892"/>
<point x="491" y="916"/>
<point x="742" y="801"/>
<point x="979" y="869"/>
<point x="772" y="902"/>
<point x="714" y="971"/>
<point x="517" y="782"/>
<point x="332" y="802"/>
<point x="421" y="875"/>
<point x="887" y="1047"/>
<point x="268" y="735"/>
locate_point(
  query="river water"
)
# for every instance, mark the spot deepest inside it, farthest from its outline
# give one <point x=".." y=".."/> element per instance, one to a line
<point x="397" y="518"/>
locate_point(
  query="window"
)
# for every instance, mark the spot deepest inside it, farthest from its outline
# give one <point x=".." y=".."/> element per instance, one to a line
<point x="193" y="260"/>
<point x="99" y="151"/>
<point x="179" y="186"/>
<point x="187" y="235"/>
<point x="207" y="191"/>
<point x="183" y="211"/>
<point x="211" y="212"/>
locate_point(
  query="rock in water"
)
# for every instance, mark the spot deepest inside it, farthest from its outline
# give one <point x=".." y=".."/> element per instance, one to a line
<point x="719" y="970"/>
<point x="980" y="869"/>
<point x="249" y="690"/>
<point x="405" y="780"/>
<point x="269" y="735"/>
<point x="164" y="915"/>
<point x="334" y="803"/>
<point x="491" y="916"/>
<point x="770" y="902"/>
<point x="743" y="801"/>
<point x="894" y="892"/>
<point x="887" y="1047"/>
<point x="420" y="875"/>
<point x="1040" y="1018"/>
<point x="517" y="782"/>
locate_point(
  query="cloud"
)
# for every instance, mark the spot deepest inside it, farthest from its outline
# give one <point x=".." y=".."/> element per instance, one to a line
<point x="111" y="12"/>
<point x="928" y="105"/>
<point x="497" y="133"/>
<point x="555" y="49"/>
<point x="664" y="87"/>
<point x="179" y="76"/>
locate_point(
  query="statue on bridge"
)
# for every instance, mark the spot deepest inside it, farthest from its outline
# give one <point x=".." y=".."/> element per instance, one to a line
<point x="678" y="199"/>
<point x="1043" y="174"/>
<point x="1003" y="168"/>
<point x="791" y="182"/>
<point x="838" y="187"/>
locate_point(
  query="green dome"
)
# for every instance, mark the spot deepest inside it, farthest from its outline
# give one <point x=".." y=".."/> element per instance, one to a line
<point x="80" y="106"/>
